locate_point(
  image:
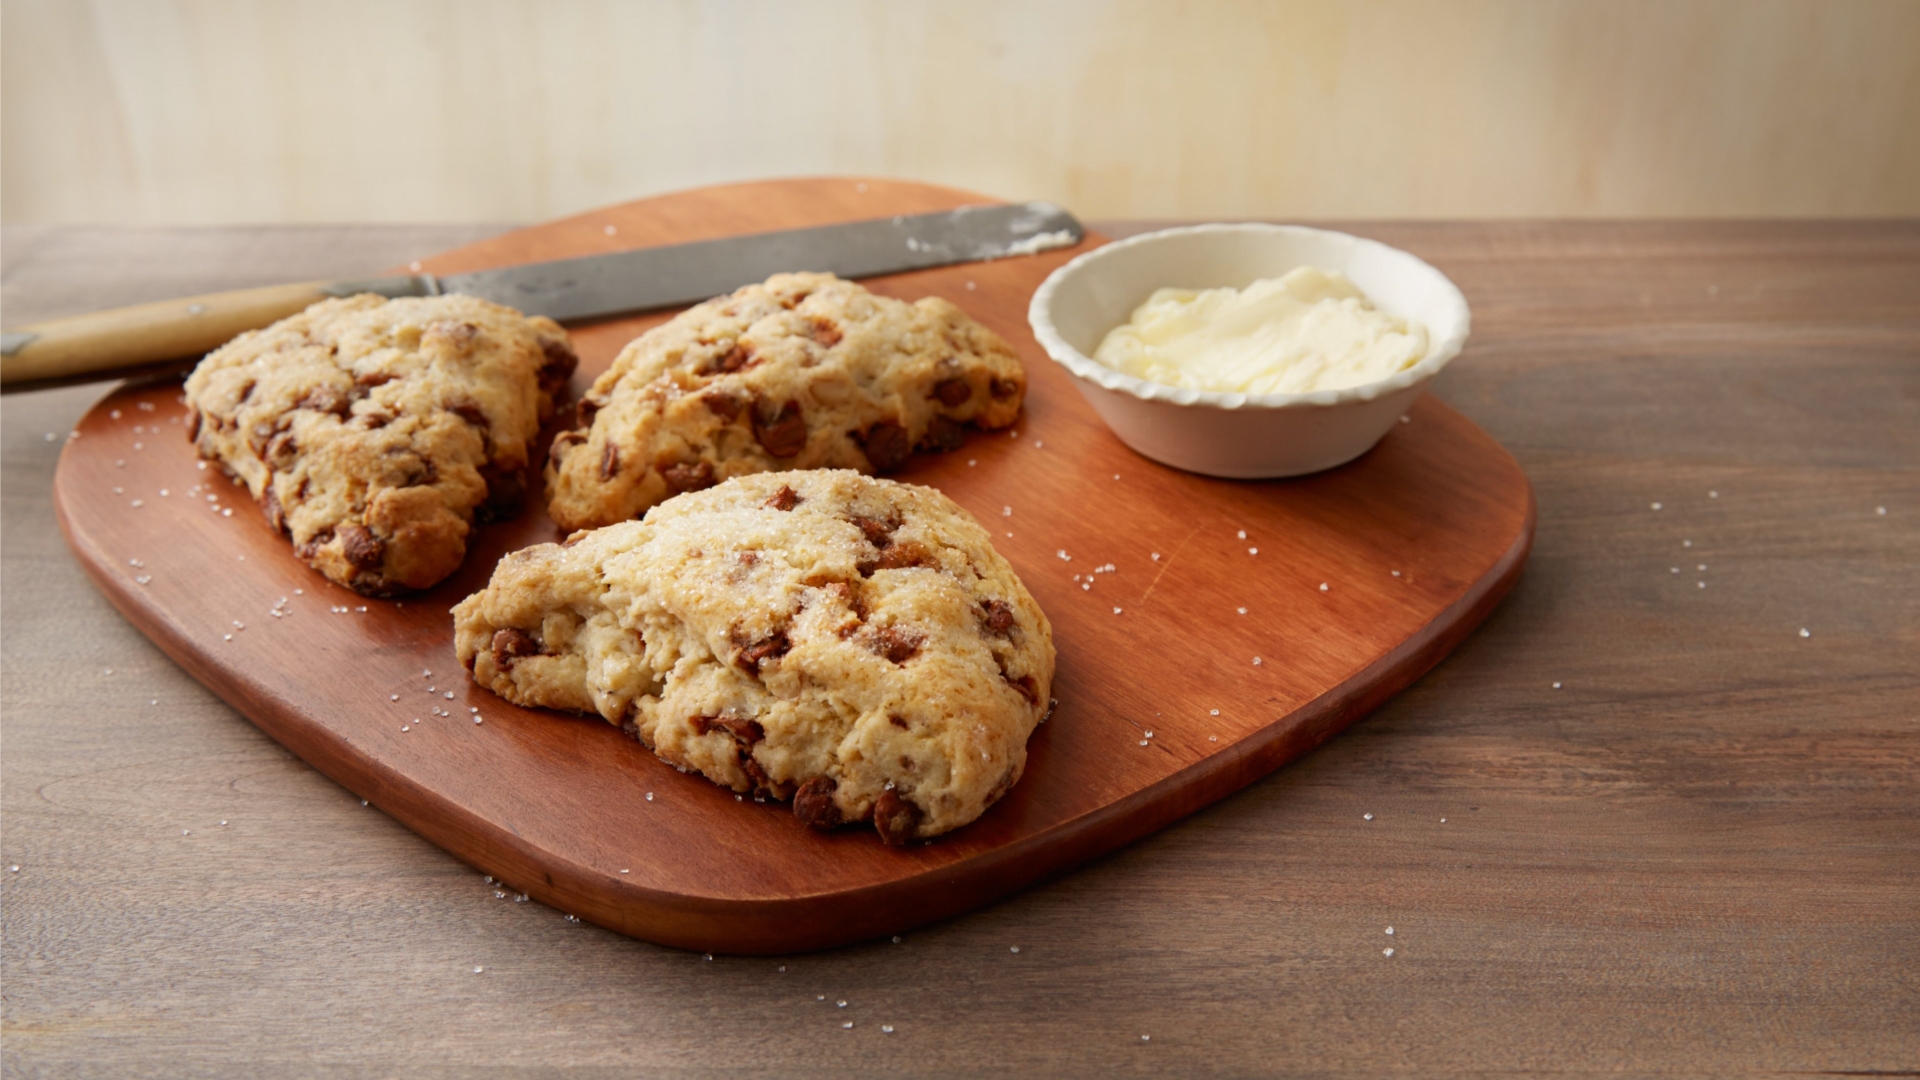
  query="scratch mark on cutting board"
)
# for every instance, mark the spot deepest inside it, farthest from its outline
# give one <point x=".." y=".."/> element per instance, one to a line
<point x="1166" y="565"/>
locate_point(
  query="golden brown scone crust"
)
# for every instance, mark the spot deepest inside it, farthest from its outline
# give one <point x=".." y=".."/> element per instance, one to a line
<point x="804" y="371"/>
<point x="373" y="431"/>
<point x="856" y="645"/>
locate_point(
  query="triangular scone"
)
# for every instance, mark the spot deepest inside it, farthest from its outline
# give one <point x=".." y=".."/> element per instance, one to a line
<point x="856" y="645"/>
<point x="805" y="371"/>
<point x="373" y="431"/>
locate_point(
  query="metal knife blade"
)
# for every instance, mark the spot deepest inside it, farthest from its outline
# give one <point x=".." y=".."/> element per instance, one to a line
<point x="598" y="285"/>
<point x="162" y="334"/>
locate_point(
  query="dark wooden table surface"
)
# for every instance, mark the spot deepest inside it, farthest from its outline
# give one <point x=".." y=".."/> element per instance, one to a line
<point x="1660" y="815"/>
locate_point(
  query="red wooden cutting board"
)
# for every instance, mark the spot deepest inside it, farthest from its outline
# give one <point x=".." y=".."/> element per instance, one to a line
<point x="1353" y="583"/>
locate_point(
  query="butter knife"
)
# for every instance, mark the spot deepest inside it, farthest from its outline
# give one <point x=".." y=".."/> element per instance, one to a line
<point x="157" y="336"/>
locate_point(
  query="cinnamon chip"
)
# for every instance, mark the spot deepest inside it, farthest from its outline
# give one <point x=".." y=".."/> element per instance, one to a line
<point x="470" y="411"/>
<point x="361" y="547"/>
<point x="557" y="366"/>
<point x="897" y="644"/>
<point x="509" y="644"/>
<point x="952" y="392"/>
<point x="281" y="449"/>
<point x="736" y="357"/>
<point x="786" y="435"/>
<point x="683" y="478"/>
<point x="896" y="819"/>
<point x="313" y="544"/>
<point x="813" y="803"/>
<point x="326" y="399"/>
<point x="998" y="615"/>
<point x="823" y="331"/>
<point x="270" y="504"/>
<point x="722" y="404"/>
<point x="887" y="445"/>
<point x="764" y="651"/>
<point x="878" y="533"/>
<point x="905" y="554"/>
<point x="762" y="783"/>
<point x="744" y="732"/>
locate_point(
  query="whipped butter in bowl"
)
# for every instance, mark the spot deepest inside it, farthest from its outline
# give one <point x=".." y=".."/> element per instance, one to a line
<point x="1250" y="350"/>
<point x="1309" y="330"/>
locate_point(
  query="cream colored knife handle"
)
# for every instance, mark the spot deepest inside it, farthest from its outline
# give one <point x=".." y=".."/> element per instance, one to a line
<point x="108" y="343"/>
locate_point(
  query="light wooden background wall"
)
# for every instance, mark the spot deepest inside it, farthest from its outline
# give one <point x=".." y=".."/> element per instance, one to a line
<point x="195" y="111"/>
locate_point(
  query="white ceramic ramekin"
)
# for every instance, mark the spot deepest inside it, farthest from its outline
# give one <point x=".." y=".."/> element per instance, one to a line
<point x="1241" y="435"/>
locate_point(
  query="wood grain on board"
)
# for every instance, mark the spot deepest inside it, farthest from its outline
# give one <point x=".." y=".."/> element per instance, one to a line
<point x="1209" y="631"/>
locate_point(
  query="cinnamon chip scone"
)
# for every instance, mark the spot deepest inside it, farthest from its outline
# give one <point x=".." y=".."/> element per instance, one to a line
<point x="804" y="371"/>
<point x="855" y="645"/>
<point x="374" y="432"/>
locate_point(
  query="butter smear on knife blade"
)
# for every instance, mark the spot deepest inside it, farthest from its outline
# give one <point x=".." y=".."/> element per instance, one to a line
<point x="1310" y="330"/>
